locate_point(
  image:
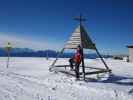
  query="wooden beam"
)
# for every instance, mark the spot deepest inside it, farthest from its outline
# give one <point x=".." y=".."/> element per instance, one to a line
<point x="70" y="73"/>
<point x="95" y="68"/>
<point x="82" y="60"/>
<point x="81" y="66"/>
<point x="102" y="59"/>
<point x="52" y="65"/>
<point x="87" y="73"/>
<point x="97" y="72"/>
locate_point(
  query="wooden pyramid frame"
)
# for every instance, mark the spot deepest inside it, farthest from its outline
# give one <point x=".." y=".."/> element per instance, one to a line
<point x="80" y="37"/>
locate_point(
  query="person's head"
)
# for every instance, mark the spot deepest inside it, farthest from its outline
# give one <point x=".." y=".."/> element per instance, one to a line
<point x="78" y="49"/>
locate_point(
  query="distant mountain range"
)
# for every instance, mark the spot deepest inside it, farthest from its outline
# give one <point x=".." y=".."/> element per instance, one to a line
<point x="26" y="52"/>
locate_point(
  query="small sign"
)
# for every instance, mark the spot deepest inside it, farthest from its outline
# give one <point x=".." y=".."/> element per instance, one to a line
<point x="8" y="49"/>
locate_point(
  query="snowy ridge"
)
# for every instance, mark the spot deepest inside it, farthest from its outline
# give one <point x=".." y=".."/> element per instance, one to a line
<point x="29" y="79"/>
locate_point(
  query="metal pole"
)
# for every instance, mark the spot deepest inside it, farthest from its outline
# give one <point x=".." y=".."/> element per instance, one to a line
<point x="8" y="59"/>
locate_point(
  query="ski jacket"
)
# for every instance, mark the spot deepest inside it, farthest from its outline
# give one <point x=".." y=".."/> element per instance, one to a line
<point x="77" y="57"/>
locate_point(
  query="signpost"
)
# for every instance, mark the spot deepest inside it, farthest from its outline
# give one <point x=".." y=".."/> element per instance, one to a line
<point x="47" y="57"/>
<point x="8" y="50"/>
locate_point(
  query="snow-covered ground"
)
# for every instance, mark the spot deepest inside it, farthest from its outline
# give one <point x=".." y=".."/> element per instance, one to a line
<point x="30" y="79"/>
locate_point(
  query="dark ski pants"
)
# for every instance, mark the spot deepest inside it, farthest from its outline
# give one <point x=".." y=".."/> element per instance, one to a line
<point x="71" y="61"/>
<point x="77" y="70"/>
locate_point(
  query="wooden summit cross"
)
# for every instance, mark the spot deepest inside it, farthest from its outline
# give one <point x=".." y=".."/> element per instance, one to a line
<point x="81" y="19"/>
<point x="80" y="37"/>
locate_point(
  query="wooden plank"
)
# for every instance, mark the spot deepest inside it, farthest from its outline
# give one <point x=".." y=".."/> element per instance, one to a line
<point x="62" y="65"/>
<point x="75" y="33"/>
<point x="87" y="73"/>
<point x="69" y="73"/>
<point x="97" y="72"/>
<point x="72" y="73"/>
<point x="71" y="45"/>
<point x="95" y="68"/>
<point x="75" y="38"/>
<point x="81" y="66"/>
<point x="73" y="42"/>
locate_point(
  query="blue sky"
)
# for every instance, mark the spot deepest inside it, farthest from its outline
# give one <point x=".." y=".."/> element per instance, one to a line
<point x="47" y="24"/>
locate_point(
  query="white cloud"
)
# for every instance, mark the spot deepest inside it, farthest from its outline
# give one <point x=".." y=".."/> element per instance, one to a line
<point x="24" y="42"/>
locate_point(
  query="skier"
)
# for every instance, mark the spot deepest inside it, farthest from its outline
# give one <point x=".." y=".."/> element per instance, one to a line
<point x="76" y="59"/>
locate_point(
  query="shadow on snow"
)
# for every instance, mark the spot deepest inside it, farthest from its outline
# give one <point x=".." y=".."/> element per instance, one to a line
<point x="121" y="80"/>
<point x="115" y="79"/>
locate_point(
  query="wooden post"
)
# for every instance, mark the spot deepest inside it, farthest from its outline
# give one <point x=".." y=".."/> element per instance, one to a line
<point x="82" y="60"/>
<point x="102" y="59"/>
<point x="81" y="19"/>
<point x="52" y="65"/>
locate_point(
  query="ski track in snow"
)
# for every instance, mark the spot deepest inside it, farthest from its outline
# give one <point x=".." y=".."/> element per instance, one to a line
<point x="29" y="79"/>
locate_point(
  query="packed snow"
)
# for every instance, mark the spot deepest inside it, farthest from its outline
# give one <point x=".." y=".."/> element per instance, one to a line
<point x="29" y="79"/>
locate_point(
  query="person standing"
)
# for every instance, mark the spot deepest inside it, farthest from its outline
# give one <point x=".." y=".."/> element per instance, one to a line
<point x="76" y="59"/>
